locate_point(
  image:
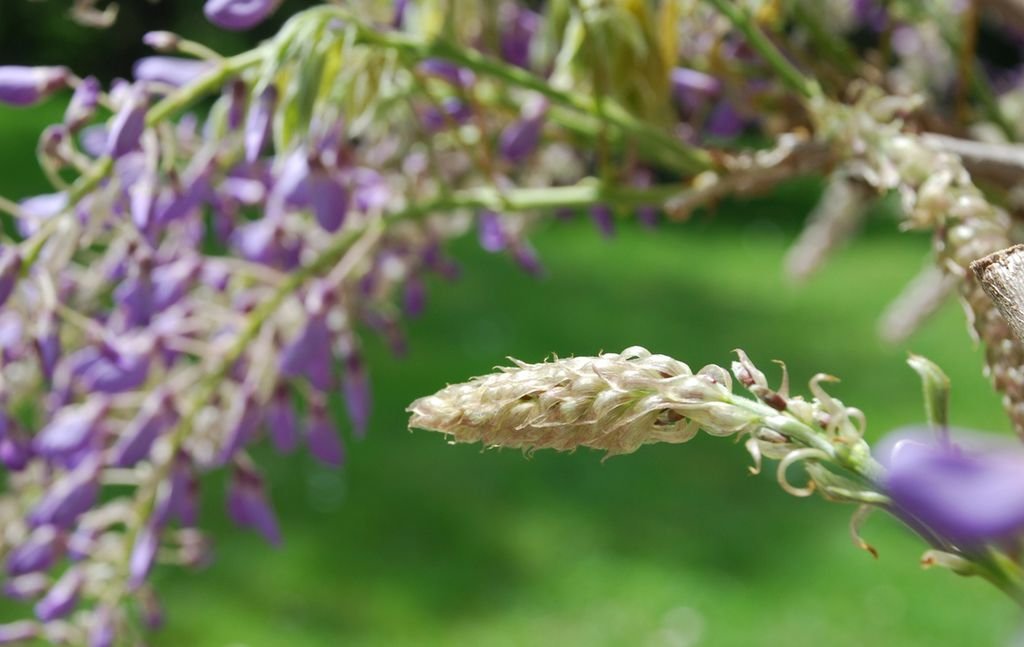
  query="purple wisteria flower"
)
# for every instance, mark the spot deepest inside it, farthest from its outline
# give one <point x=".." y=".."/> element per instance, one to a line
<point x="24" y="86"/>
<point x="239" y="15"/>
<point x="969" y="490"/>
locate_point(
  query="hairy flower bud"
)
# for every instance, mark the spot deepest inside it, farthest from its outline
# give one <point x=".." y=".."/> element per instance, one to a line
<point x="613" y="402"/>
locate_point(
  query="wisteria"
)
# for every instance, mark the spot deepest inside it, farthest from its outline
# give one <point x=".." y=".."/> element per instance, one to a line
<point x="223" y="232"/>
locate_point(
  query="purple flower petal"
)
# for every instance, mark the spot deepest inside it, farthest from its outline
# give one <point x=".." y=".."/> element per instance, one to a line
<point x="127" y="126"/>
<point x="62" y="598"/>
<point x="259" y="124"/>
<point x="103" y="633"/>
<point x="491" y="232"/>
<point x="517" y="33"/>
<point x="329" y="198"/>
<point x="357" y="393"/>
<point x="16" y="633"/>
<point x="70" y="496"/>
<point x="969" y="492"/>
<point x="281" y="423"/>
<point x="447" y="71"/>
<point x="143" y="555"/>
<point x="27" y="587"/>
<point x="37" y="553"/>
<point x="604" y="219"/>
<point x="71" y="429"/>
<point x="170" y="70"/>
<point x="24" y="86"/>
<point x="324" y="439"/>
<point x="248" y="506"/>
<point x="243" y="430"/>
<point x="83" y="103"/>
<point x="309" y="355"/>
<point x="136" y="441"/>
<point x="239" y="15"/>
<point x="414" y="297"/>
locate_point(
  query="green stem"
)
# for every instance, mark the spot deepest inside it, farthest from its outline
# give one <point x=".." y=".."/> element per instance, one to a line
<point x="787" y="72"/>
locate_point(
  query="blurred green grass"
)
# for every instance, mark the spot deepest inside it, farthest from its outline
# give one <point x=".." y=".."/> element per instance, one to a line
<point x="417" y="542"/>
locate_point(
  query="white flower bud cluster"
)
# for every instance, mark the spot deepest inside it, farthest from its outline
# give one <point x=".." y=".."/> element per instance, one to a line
<point x="618" y="402"/>
<point x="937" y="193"/>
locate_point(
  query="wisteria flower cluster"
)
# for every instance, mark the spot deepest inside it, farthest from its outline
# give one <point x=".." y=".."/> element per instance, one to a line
<point x="223" y="232"/>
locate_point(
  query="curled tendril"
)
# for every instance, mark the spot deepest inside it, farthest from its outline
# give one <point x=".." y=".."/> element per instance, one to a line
<point x="797" y="456"/>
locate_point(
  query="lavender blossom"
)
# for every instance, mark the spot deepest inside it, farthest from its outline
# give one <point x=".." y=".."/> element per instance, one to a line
<point x="24" y="86"/>
<point x="61" y="599"/>
<point x="323" y="438"/>
<point x="239" y="15"/>
<point x="169" y="70"/>
<point x="248" y="506"/>
<point x="969" y="491"/>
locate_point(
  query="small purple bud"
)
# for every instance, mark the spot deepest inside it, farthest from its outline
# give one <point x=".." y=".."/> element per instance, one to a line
<point x="239" y="15"/>
<point x="38" y="209"/>
<point x="323" y="438"/>
<point x="138" y="436"/>
<point x="177" y="495"/>
<point x="372" y="192"/>
<point x="237" y="98"/>
<point x="172" y="281"/>
<point x="113" y="372"/>
<point x="604" y="219"/>
<point x="259" y="124"/>
<point x="10" y="266"/>
<point x="83" y="103"/>
<point x="71" y="428"/>
<point x="453" y="111"/>
<point x="280" y="421"/>
<point x="27" y="587"/>
<point x="70" y="496"/>
<point x="16" y="633"/>
<point x="143" y="555"/>
<point x="61" y="599"/>
<point x="725" y="122"/>
<point x="161" y="41"/>
<point x="24" y="86"/>
<point x="152" y="612"/>
<point x="520" y="139"/>
<point x="447" y="71"/>
<point x="48" y="349"/>
<point x="15" y="451"/>
<point x="244" y="428"/>
<point x="263" y="241"/>
<point x="491" y="232"/>
<point x="104" y="631"/>
<point x="526" y="257"/>
<point x="329" y="198"/>
<point x="127" y="126"/>
<point x="357" y="393"/>
<point x="414" y="297"/>
<point x="37" y="553"/>
<point x="309" y="355"/>
<point x="692" y="88"/>
<point x="517" y="33"/>
<point x="398" y="17"/>
<point x="170" y="70"/>
<point x="94" y="139"/>
<point x="248" y="506"/>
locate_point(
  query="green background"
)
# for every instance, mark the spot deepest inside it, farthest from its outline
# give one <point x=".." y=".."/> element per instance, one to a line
<point x="416" y="542"/>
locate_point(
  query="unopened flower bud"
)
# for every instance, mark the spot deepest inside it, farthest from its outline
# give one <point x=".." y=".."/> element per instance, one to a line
<point x="24" y="86"/>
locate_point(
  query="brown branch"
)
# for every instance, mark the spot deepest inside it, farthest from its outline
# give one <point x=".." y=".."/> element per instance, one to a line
<point x="1001" y="275"/>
